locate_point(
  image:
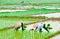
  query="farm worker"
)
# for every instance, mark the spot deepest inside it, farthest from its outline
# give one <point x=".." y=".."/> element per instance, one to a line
<point x="18" y="26"/>
<point x="40" y="26"/>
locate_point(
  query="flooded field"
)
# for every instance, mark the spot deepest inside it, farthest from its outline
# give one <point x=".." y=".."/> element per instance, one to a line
<point x="54" y="24"/>
<point x="49" y="15"/>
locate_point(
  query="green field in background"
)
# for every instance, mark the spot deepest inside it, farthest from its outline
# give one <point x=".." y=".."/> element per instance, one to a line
<point x="19" y="2"/>
<point x="29" y="12"/>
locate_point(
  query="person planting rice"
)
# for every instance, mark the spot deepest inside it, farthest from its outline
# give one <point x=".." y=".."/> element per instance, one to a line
<point x="40" y="26"/>
<point x="18" y="26"/>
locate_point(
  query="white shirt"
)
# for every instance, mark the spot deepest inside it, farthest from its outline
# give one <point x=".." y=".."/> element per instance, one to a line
<point x="40" y="26"/>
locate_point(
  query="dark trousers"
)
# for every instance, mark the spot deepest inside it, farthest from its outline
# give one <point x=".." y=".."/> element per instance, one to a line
<point x="46" y="29"/>
<point x="40" y="30"/>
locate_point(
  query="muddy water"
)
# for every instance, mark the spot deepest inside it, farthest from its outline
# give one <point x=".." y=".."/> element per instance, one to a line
<point x="55" y="25"/>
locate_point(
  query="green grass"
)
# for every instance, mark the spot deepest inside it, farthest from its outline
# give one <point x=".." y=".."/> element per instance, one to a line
<point x="12" y="34"/>
<point x="29" y="12"/>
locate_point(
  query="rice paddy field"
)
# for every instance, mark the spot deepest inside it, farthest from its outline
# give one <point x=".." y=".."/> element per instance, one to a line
<point x="8" y="19"/>
<point x="12" y="34"/>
